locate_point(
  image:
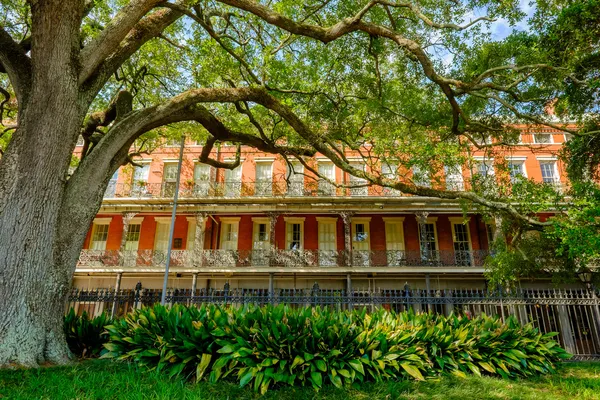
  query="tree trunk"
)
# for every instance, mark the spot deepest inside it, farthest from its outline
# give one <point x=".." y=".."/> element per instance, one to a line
<point x="34" y="278"/>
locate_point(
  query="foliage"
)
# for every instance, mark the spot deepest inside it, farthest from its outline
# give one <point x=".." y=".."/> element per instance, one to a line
<point x="279" y="345"/>
<point x="86" y="335"/>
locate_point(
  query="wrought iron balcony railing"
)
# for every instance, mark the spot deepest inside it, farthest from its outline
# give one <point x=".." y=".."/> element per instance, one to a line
<point x="239" y="189"/>
<point x="281" y="258"/>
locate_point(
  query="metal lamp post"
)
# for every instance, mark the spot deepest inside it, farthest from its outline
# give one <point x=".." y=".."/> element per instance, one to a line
<point x="586" y="278"/>
<point x="172" y="227"/>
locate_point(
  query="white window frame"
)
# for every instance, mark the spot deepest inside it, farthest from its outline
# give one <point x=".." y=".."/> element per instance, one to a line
<point x="430" y="220"/>
<point x="234" y="221"/>
<point x="135" y="221"/>
<point x="353" y="180"/>
<point x="328" y="221"/>
<point x="325" y="186"/>
<point x="296" y="179"/>
<point x="399" y="222"/>
<point x="454" y="171"/>
<point x="488" y="162"/>
<point x="517" y="160"/>
<point x="424" y="180"/>
<point x="461" y="221"/>
<point x="550" y="135"/>
<point x="547" y="160"/>
<point x="367" y="222"/>
<point x="288" y="222"/>
<point x="97" y="222"/>
<point x="162" y="221"/>
<point x="258" y="189"/>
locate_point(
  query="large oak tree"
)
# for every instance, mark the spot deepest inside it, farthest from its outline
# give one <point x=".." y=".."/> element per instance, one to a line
<point x="287" y="78"/>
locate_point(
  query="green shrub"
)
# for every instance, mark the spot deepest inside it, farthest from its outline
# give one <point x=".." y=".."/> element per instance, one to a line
<point x="265" y="346"/>
<point x="85" y="336"/>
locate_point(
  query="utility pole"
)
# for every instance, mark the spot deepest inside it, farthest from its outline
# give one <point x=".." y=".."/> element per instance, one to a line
<point x="172" y="228"/>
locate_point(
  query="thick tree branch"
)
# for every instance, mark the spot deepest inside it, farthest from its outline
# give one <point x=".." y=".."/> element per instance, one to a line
<point x="146" y="29"/>
<point x="17" y="65"/>
<point x="105" y="44"/>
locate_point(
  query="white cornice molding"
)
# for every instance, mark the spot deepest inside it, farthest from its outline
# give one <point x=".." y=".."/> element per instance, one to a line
<point x="229" y="220"/>
<point x="459" y="220"/>
<point x="102" y="220"/>
<point x="393" y="219"/>
<point x="327" y="219"/>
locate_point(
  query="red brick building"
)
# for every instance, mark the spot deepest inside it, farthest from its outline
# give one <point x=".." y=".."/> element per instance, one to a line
<point x="229" y="220"/>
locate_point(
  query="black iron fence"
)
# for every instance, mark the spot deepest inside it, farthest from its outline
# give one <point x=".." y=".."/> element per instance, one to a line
<point x="574" y="314"/>
<point x="283" y="258"/>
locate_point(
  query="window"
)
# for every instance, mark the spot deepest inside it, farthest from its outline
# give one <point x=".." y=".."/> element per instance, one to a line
<point x="201" y="179"/>
<point x="428" y="240"/>
<point x="229" y="234"/>
<point x="462" y="241"/>
<point x="390" y="171"/>
<point x="233" y="181"/>
<point x="421" y="176"/>
<point x="133" y="237"/>
<point x="360" y="241"/>
<point x="261" y="241"/>
<point x="161" y="237"/>
<point x="549" y="172"/>
<point x="326" y="169"/>
<point x="516" y="169"/>
<point x="294" y="236"/>
<point x="454" y="178"/>
<point x="327" y="241"/>
<point x="169" y="179"/>
<point x="140" y="179"/>
<point x="358" y="184"/>
<point x="296" y="179"/>
<point x="394" y="240"/>
<point x="264" y="178"/>
<point x="485" y="168"/>
<point x="542" y="138"/>
<point x="99" y="236"/>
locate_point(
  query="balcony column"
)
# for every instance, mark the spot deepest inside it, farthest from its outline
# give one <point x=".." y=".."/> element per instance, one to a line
<point x="199" y="238"/>
<point x="127" y="217"/>
<point x="113" y="311"/>
<point x="347" y="218"/>
<point x="273" y="216"/>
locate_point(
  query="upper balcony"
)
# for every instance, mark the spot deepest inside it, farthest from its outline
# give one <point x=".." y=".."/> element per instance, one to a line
<point x="239" y="189"/>
<point x="240" y="260"/>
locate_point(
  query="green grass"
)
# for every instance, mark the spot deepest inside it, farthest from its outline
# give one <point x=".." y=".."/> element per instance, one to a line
<point x="102" y="379"/>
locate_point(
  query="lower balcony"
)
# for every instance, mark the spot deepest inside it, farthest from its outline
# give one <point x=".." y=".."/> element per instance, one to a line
<point x="228" y="259"/>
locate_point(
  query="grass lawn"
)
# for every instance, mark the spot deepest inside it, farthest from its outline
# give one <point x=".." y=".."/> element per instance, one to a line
<point x="100" y="379"/>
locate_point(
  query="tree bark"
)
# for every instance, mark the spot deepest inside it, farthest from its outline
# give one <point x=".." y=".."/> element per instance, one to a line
<point x="33" y="285"/>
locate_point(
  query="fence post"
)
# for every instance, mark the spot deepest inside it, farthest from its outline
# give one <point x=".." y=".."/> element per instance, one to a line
<point x="194" y="286"/>
<point x="315" y="290"/>
<point x="138" y="288"/>
<point x="596" y="308"/>
<point x="349" y="290"/>
<point x="271" y="288"/>
<point x="449" y="304"/>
